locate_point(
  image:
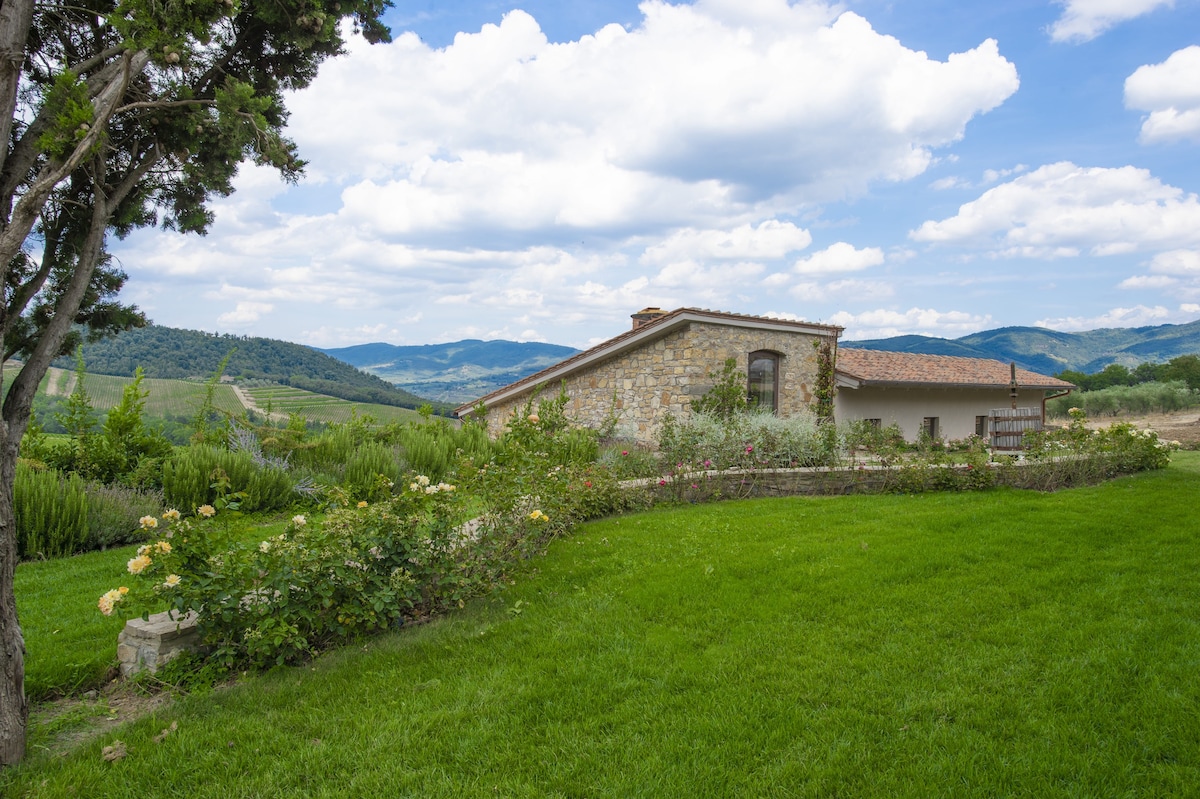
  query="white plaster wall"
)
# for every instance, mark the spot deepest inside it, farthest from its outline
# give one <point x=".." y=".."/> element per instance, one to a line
<point x="956" y="408"/>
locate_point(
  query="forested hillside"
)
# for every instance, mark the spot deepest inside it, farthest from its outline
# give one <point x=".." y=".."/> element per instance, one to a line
<point x="165" y="352"/>
<point x="1051" y="351"/>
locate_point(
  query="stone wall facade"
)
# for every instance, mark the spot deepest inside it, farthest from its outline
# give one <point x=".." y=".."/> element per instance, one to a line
<point x="665" y="374"/>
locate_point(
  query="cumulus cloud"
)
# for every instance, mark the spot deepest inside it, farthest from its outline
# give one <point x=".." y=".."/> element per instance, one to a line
<point x="839" y="257"/>
<point x="1136" y="316"/>
<point x="950" y="182"/>
<point x="245" y="313"/>
<point x="882" y="323"/>
<point x="1084" y="20"/>
<point x="845" y="290"/>
<point x="1064" y="210"/>
<point x="507" y="177"/>
<point x="989" y="177"/>
<point x="1170" y="91"/>
<point x="703" y="110"/>
<point x="1175" y="269"/>
<point x="1147" y="282"/>
<point x="770" y="239"/>
<point x="1177" y="262"/>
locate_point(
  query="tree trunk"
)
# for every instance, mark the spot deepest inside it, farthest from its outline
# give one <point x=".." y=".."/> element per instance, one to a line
<point x="14" y="709"/>
<point x="15" y="19"/>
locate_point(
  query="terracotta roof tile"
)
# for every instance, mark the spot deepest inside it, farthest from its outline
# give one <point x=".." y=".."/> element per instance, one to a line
<point x="900" y="368"/>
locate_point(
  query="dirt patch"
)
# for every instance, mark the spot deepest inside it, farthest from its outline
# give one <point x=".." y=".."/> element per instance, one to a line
<point x="1181" y="426"/>
<point x="74" y="721"/>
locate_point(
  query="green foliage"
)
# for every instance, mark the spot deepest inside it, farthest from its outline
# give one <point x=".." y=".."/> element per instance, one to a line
<point x="884" y="442"/>
<point x="541" y="478"/>
<point x="750" y="440"/>
<point x="136" y="452"/>
<point x="78" y="417"/>
<point x="427" y="450"/>
<point x="51" y="513"/>
<point x="286" y="597"/>
<point x="727" y="397"/>
<point x="70" y="112"/>
<point x="207" y="427"/>
<point x="1138" y="399"/>
<point x="122" y="450"/>
<point x="1066" y="621"/>
<point x="113" y="512"/>
<point x="1185" y="368"/>
<point x="826" y="386"/>
<point x="1077" y="455"/>
<point x="61" y="514"/>
<point x="1054" y="459"/>
<point x="369" y="463"/>
<point x="189" y="479"/>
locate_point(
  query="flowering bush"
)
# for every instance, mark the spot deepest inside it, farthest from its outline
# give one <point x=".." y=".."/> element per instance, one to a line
<point x="1074" y="454"/>
<point x="749" y="440"/>
<point x="283" y="598"/>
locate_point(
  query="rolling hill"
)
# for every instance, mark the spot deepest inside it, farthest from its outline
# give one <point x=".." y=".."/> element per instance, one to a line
<point x="170" y="353"/>
<point x="1051" y="351"/>
<point x="457" y="372"/>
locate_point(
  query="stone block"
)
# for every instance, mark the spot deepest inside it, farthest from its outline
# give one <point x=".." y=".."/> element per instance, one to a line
<point x="147" y="644"/>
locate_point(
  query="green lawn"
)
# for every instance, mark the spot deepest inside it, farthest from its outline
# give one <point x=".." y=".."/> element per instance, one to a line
<point x="996" y="644"/>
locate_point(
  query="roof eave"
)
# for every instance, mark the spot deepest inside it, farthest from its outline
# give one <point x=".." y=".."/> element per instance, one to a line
<point x="861" y="383"/>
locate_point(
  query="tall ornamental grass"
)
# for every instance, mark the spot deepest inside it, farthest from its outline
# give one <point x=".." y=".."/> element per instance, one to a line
<point x="189" y="477"/>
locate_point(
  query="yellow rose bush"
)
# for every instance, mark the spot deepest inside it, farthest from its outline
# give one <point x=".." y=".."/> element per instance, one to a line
<point x="280" y="600"/>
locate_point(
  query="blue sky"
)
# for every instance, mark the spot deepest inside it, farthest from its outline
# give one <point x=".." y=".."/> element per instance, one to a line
<point x="541" y="170"/>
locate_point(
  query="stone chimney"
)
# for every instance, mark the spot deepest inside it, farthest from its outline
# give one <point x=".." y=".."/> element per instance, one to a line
<point x="646" y="316"/>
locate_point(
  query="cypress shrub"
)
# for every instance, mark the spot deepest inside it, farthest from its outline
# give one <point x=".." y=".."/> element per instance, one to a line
<point x="51" y="513"/>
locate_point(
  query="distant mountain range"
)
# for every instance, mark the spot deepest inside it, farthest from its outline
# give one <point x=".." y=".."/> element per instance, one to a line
<point x="462" y="371"/>
<point x="458" y="372"/>
<point x="1050" y="352"/>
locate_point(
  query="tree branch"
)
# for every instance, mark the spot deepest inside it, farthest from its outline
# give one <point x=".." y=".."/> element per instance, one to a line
<point x="19" y="398"/>
<point x="16" y="16"/>
<point x="163" y="104"/>
<point x="34" y="199"/>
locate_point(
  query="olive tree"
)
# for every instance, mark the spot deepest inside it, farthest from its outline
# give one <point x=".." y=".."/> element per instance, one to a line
<point x="117" y="114"/>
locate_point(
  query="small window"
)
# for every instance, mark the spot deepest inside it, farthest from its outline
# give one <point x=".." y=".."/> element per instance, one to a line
<point x="929" y="426"/>
<point x="763" y="374"/>
<point x="981" y="426"/>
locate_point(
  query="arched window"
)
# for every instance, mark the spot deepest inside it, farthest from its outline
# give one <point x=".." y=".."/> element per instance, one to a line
<point x="763" y="372"/>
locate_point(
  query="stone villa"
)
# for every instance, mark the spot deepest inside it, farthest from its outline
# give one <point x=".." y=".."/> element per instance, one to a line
<point x="667" y="359"/>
